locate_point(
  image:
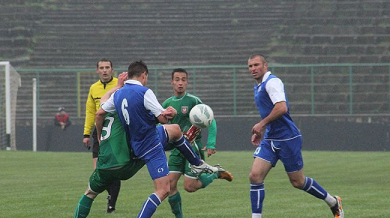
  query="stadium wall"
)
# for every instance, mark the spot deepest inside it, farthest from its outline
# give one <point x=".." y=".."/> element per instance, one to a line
<point x="234" y="134"/>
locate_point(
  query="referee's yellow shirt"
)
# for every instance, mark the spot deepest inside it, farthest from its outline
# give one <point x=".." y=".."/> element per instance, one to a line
<point x="96" y="92"/>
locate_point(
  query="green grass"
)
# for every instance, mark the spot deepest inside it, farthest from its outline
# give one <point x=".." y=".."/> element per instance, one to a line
<point x="49" y="184"/>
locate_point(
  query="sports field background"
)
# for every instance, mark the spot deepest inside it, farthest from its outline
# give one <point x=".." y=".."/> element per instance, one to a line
<point x="49" y="184"/>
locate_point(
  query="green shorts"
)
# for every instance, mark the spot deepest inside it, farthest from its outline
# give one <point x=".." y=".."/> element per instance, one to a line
<point x="102" y="178"/>
<point x="177" y="163"/>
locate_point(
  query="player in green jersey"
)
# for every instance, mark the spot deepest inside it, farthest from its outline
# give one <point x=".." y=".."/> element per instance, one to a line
<point x="115" y="158"/>
<point x="183" y="102"/>
<point x="115" y="162"/>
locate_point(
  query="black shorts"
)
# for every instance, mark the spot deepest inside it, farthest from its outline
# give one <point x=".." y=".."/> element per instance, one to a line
<point x="95" y="145"/>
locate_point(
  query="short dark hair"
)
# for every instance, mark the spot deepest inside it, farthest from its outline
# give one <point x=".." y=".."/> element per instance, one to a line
<point x="103" y="60"/>
<point x="136" y="68"/>
<point x="262" y="57"/>
<point x="180" y="70"/>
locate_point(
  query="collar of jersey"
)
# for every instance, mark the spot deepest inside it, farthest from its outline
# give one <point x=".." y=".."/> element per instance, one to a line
<point x="135" y="82"/>
<point x="265" y="77"/>
<point x="178" y="99"/>
<point x="105" y="83"/>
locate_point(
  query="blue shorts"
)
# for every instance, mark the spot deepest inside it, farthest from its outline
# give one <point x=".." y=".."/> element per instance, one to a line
<point x="163" y="135"/>
<point x="289" y="152"/>
<point x="156" y="160"/>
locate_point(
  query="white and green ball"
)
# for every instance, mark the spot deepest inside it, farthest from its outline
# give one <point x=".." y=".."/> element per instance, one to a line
<point x="201" y="115"/>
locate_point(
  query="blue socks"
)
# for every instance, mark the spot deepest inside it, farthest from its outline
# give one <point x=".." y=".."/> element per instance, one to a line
<point x="257" y="197"/>
<point x="150" y="206"/>
<point x="257" y="194"/>
<point x="185" y="148"/>
<point x="313" y="188"/>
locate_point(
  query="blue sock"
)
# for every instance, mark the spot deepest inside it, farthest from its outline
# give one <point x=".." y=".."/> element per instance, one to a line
<point x="313" y="188"/>
<point x="150" y="206"/>
<point x="185" y="149"/>
<point x="257" y="197"/>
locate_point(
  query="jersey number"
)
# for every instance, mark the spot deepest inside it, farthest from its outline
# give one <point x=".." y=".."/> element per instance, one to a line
<point x="107" y="128"/>
<point x="125" y="113"/>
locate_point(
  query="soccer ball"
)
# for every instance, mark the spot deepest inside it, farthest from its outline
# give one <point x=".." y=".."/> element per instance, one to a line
<point x="201" y="116"/>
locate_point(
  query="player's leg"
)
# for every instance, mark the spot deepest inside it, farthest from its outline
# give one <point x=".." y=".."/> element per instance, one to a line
<point x="97" y="184"/>
<point x="176" y="164"/>
<point x="259" y="171"/>
<point x="156" y="162"/>
<point x="291" y="156"/>
<point x="194" y="182"/>
<point x="113" y="193"/>
<point x="197" y="145"/>
<point x="114" y="188"/>
<point x="85" y="203"/>
<point x="174" y="198"/>
<point x="264" y="159"/>
<point x="309" y="185"/>
<point x="176" y="137"/>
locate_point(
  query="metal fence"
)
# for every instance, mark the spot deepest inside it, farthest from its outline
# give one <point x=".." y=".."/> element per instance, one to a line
<point x="330" y="89"/>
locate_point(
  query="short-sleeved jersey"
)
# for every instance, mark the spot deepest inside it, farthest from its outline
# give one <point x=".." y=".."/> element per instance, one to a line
<point x="282" y="128"/>
<point x="183" y="106"/>
<point x="96" y="92"/>
<point x="137" y="107"/>
<point x="114" y="150"/>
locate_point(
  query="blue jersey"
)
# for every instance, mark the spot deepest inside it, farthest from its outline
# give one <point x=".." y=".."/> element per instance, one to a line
<point x="282" y="128"/>
<point x="139" y="122"/>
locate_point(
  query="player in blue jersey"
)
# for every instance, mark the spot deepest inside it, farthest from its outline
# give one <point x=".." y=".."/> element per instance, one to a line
<point x="138" y="110"/>
<point x="282" y="140"/>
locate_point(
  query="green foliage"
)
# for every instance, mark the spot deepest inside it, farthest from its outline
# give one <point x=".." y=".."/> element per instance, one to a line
<point x="49" y="184"/>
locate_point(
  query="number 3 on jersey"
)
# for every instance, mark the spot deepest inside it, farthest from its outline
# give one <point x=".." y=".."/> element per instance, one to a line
<point x="125" y="113"/>
<point x="107" y="128"/>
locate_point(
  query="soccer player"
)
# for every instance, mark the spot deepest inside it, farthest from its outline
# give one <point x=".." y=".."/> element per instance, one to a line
<point x="107" y="81"/>
<point x="183" y="102"/>
<point x="116" y="160"/>
<point x="138" y="111"/>
<point x="282" y="140"/>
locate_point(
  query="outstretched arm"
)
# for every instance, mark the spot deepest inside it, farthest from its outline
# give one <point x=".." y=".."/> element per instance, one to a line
<point x="99" y="119"/>
<point x="212" y="138"/>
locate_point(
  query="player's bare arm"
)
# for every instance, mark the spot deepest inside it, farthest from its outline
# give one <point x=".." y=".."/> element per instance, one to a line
<point x="99" y="119"/>
<point x="279" y="109"/>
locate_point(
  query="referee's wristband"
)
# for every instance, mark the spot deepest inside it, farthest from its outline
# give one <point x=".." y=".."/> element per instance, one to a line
<point x="86" y="136"/>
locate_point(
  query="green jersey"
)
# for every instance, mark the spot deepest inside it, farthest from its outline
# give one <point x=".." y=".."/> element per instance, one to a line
<point x="114" y="150"/>
<point x="183" y="106"/>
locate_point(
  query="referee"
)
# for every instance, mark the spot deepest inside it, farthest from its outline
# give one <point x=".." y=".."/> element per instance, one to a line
<point x="96" y="91"/>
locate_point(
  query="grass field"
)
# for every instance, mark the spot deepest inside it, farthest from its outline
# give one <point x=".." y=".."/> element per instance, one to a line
<point x="48" y="184"/>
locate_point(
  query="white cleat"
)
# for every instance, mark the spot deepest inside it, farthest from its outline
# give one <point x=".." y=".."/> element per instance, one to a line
<point x="203" y="168"/>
